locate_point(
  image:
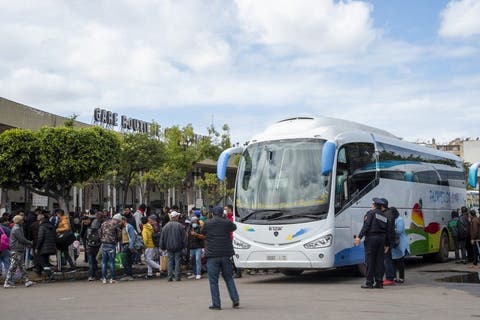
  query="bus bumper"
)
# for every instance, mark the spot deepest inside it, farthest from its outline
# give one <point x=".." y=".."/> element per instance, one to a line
<point x="316" y="259"/>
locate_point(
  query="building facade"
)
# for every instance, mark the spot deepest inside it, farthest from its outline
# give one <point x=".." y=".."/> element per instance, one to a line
<point x="95" y="195"/>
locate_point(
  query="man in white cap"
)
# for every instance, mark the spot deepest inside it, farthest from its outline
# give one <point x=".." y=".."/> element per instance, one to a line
<point x="172" y="240"/>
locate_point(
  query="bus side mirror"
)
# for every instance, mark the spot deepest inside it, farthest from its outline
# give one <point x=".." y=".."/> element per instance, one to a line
<point x="473" y="174"/>
<point x="222" y="161"/>
<point x="328" y="155"/>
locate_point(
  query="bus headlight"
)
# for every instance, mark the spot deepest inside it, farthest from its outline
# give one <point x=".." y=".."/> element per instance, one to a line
<point x="323" y="242"/>
<point x="237" y="244"/>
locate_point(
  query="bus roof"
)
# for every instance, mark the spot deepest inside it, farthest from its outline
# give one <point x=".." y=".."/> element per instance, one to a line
<point x="329" y="128"/>
<point x="323" y="127"/>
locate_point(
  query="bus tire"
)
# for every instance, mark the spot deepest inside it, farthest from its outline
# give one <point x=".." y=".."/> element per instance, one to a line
<point x="292" y="272"/>
<point x="442" y="255"/>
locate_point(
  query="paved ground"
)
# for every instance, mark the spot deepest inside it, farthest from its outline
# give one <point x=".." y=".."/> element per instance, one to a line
<point x="322" y="295"/>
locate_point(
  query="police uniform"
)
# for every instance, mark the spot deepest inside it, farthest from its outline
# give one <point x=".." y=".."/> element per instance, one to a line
<point x="374" y="230"/>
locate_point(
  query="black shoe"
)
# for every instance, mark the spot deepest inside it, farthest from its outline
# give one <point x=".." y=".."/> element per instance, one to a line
<point x="236" y="305"/>
<point x="178" y="279"/>
<point x="148" y="277"/>
<point x="366" y="286"/>
<point x="378" y="286"/>
<point x="170" y="279"/>
<point x="214" y="308"/>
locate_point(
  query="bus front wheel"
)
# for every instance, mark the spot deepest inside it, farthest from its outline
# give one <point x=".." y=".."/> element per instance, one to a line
<point x="442" y="255"/>
<point x="292" y="272"/>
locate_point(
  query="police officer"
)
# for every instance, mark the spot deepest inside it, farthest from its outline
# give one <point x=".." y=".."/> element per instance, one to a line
<point x="374" y="230"/>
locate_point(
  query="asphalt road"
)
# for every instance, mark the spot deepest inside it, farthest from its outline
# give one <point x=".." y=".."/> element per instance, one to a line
<point x="313" y="295"/>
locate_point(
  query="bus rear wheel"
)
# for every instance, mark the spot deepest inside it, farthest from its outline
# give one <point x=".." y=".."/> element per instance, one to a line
<point x="442" y="255"/>
<point x="292" y="272"/>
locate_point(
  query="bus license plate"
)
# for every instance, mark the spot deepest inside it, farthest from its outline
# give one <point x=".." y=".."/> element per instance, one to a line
<point x="276" y="258"/>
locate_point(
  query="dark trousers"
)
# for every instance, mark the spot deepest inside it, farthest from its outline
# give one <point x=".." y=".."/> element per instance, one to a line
<point x="476" y="252"/>
<point x="67" y="256"/>
<point x="462" y="245"/>
<point x="374" y="254"/>
<point x="389" y="267"/>
<point x="91" y="254"/>
<point x="127" y="264"/>
<point x="214" y="267"/>
<point x="400" y="267"/>
<point x="44" y="261"/>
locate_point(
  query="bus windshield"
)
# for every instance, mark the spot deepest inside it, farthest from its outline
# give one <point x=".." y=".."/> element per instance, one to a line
<point x="282" y="180"/>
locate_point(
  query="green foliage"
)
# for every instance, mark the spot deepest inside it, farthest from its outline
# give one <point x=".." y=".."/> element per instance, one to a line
<point x="139" y="154"/>
<point x="19" y="158"/>
<point x="213" y="188"/>
<point x="52" y="160"/>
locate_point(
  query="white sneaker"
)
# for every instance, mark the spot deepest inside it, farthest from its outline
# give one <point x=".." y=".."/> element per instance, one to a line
<point x="198" y="277"/>
<point x="104" y="281"/>
<point x="8" y="285"/>
<point x="91" y="279"/>
<point x="112" y="281"/>
<point x="29" y="283"/>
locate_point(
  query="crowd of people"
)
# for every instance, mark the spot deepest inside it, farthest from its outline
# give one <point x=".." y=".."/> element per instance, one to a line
<point x="195" y="240"/>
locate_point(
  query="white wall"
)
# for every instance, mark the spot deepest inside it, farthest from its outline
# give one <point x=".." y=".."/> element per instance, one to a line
<point x="471" y="151"/>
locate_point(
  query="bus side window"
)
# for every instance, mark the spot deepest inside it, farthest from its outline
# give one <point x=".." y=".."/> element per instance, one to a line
<point x="341" y="181"/>
<point x="355" y="171"/>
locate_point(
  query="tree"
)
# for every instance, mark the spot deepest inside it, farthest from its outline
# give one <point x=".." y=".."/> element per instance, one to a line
<point x="51" y="161"/>
<point x="140" y="153"/>
<point x="180" y="153"/>
<point x="214" y="189"/>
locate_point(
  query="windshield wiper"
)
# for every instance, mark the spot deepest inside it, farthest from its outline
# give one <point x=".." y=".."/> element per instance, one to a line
<point x="301" y="215"/>
<point x="274" y="214"/>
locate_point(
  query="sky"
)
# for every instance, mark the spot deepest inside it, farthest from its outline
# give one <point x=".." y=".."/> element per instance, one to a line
<point x="406" y="66"/>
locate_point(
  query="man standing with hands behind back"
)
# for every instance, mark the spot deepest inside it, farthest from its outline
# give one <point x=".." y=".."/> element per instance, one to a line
<point x="219" y="250"/>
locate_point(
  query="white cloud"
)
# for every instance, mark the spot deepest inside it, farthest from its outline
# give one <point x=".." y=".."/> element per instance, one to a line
<point x="250" y="63"/>
<point x="460" y="19"/>
<point x="309" y="25"/>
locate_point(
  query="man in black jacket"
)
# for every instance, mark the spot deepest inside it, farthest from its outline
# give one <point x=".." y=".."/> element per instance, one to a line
<point x="219" y="250"/>
<point x="374" y="230"/>
<point x="46" y="245"/>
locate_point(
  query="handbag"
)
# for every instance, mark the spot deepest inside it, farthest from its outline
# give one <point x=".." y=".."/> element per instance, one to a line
<point x="119" y="258"/>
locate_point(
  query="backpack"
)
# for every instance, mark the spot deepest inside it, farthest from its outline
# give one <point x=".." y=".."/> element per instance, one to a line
<point x="463" y="227"/>
<point x="138" y="244"/>
<point x="453" y="226"/>
<point x="93" y="237"/>
<point x="4" y="241"/>
<point x="156" y="239"/>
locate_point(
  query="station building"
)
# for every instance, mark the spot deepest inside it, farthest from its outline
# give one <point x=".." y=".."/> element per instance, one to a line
<point x="95" y="195"/>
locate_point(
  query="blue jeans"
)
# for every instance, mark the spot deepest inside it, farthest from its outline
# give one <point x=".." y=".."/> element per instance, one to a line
<point x="197" y="254"/>
<point x="214" y="266"/>
<point x="174" y="264"/>
<point x="5" y="261"/>
<point x="108" y="259"/>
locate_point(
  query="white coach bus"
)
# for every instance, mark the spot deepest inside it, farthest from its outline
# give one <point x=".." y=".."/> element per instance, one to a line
<point x="304" y="185"/>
